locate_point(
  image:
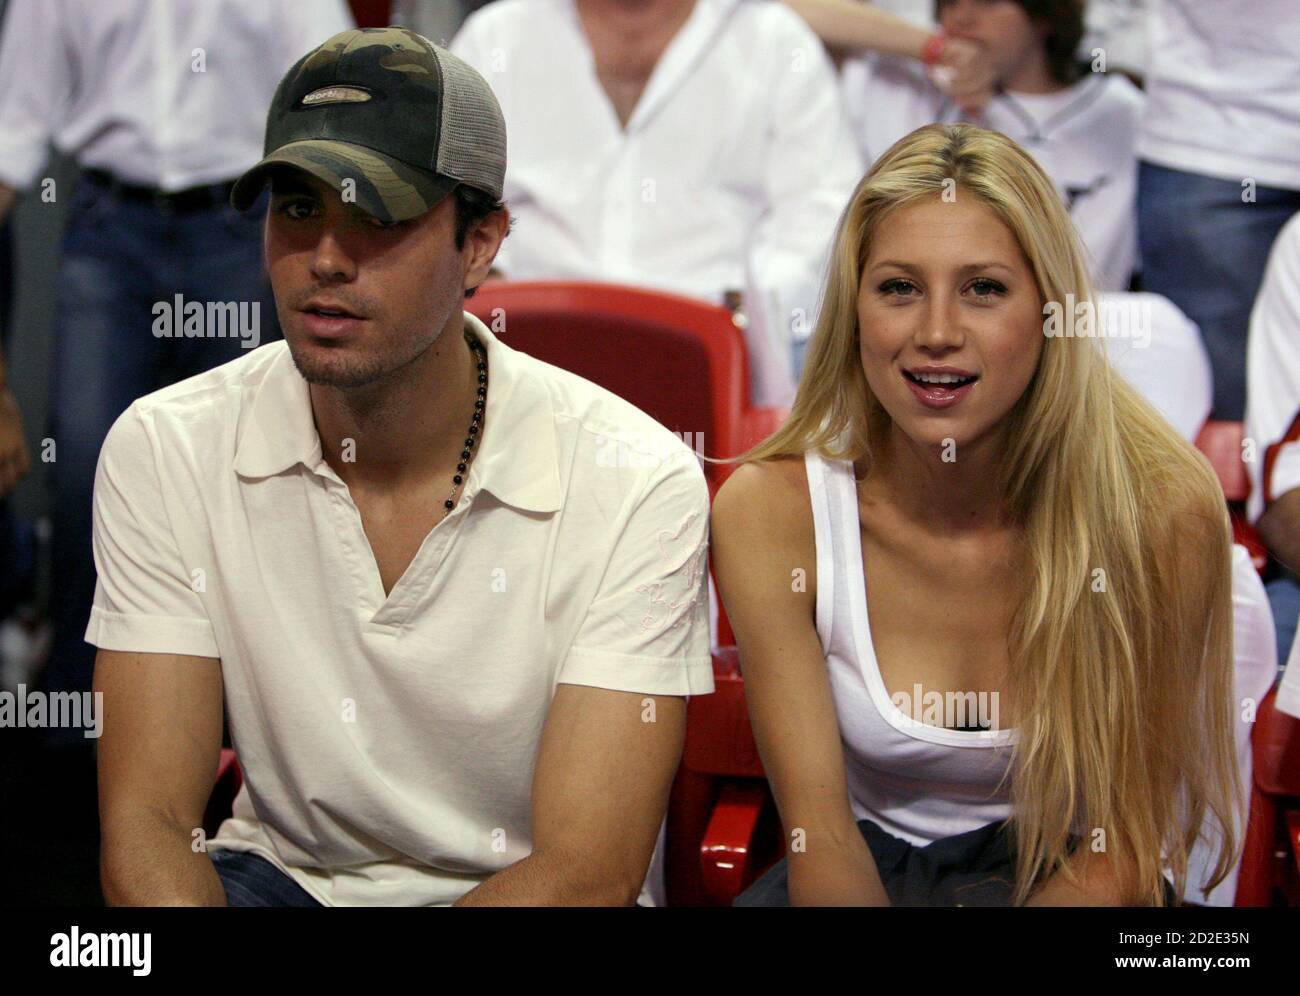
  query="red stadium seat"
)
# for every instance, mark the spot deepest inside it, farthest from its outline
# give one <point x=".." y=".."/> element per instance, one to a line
<point x="1270" y="864"/>
<point x="681" y="361"/>
<point x="723" y="829"/>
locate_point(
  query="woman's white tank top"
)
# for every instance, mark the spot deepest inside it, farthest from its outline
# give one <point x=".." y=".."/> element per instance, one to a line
<point x="916" y="781"/>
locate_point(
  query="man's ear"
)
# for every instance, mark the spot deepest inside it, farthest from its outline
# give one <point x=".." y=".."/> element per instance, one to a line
<point x="482" y="242"/>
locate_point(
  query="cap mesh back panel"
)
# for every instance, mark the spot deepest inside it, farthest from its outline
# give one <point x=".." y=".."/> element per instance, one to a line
<point x="473" y="141"/>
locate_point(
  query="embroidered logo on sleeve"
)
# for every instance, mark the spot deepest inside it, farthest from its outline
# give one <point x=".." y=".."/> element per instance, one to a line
<point x="668" y="606"/>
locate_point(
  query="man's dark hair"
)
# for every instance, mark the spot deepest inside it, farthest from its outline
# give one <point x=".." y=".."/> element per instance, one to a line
<point x="472" y="206"/>
<point x="1065" y="26"/>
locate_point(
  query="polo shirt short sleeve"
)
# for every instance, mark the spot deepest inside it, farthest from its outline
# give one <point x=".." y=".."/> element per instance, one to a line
<point x="146" y="599"/>
<point x="647" y="629"/>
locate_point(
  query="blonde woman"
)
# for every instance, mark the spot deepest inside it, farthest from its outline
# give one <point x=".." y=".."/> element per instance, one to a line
<point x="981" y="590"/>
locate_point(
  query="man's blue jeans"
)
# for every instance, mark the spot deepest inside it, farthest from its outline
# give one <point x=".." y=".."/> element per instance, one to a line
<point x="1205" y="249"/>
<point x="251" y="880"/>
<point x="1284" y="598"/>
<point x="119" y="258"/>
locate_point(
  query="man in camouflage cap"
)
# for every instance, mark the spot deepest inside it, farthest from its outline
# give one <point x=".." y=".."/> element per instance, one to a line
<point x="451" y="597"/>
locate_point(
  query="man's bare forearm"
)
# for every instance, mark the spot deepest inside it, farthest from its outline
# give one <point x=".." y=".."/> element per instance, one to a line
<point x="551" y="879"/>
<point x="846" y="25"/>
<point x="150" y="861"/>
<point x="1279" y="527"/>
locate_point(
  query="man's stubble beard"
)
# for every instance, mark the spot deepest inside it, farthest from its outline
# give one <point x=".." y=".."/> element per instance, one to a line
<point x="346" y="369"/>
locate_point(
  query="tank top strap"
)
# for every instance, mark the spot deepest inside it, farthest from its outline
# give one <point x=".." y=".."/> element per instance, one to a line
<point x="831" y="489"/>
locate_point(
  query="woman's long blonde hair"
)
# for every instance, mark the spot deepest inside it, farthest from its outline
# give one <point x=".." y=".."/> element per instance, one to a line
<point x="1123" y="695"/>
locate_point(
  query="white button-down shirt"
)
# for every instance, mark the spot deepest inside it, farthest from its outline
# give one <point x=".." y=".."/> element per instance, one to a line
<point x="166" y="94"/>
<point x="388" y="742"/>
<point x="730" y="175"/>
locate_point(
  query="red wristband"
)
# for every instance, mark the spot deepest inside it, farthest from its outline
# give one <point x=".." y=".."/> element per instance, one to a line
<point x="932" y="50"/>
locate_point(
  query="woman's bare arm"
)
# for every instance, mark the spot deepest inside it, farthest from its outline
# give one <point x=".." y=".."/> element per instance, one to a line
<point x="761" y="539"/>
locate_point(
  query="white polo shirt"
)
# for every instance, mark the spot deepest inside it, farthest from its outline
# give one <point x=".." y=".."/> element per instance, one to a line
<point x="1084" y="137"/>
<point x="388" y="743"/>
<point x="731" y="173"/>
<point x="1273" y="375"/>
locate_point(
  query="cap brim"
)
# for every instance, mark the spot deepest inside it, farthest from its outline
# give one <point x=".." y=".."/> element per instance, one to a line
<point x="380" y="185"/>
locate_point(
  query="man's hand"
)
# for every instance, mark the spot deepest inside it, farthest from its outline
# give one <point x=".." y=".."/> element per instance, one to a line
<point x="966" y="74"/>
<point x="14" y="460"/>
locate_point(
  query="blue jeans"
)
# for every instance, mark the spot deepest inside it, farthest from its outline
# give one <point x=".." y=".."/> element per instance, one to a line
<point x="251" y="880"/>
<point x="1284" y="597"/>
<point x="1205" y="249"/>
<point x="119" y="257"/>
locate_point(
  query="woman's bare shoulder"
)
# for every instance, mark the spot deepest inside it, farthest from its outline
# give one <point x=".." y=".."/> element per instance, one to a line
<point x="770" y="494"/>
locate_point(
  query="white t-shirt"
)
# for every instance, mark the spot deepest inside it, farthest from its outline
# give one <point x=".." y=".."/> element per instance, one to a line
<point x="1273" y="376"/>
<point x="731" y="173"/>
<point x="388" y="743"/>
<point x="1083" y="136"/>
<point x="1223" y="90"/>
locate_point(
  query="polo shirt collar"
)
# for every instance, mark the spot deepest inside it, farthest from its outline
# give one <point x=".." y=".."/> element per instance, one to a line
<point x="518" y="461"/>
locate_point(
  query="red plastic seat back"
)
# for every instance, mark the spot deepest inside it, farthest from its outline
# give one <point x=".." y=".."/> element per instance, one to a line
<point x="1276" y="747"/>
<point x="680" y="361"/>
<point x="719" y="738"/>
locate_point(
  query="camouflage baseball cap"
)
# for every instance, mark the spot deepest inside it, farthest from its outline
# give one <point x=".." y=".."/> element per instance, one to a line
<point x="402" y="119"/>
